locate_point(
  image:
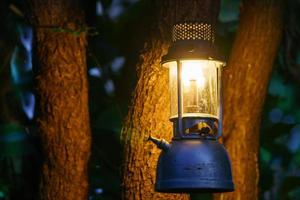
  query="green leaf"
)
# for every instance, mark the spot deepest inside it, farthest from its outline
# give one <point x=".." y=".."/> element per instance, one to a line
<point x="289" y="184"/>
<point x="277" y="130"/>
<point x="229" y="10"/>
<point x="14" y="141"/>
<point x="265" y="155"/>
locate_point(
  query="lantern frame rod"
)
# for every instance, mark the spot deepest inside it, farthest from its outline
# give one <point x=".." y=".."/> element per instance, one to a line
<point x="220" y="101"/>
<point x="179" y="97"/>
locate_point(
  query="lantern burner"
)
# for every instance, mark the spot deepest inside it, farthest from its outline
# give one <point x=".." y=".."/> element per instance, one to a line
<point x="201" y="128"/>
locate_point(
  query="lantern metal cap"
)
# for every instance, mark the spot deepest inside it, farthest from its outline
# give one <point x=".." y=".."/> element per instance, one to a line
<point x="193" y="40"/>
<point x="193" y="31"/>
<point x="184" y="50"/>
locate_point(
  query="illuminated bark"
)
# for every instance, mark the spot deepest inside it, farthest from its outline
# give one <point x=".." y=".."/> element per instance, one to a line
<point x="149" y="113"/>
<point x="62" y="98"/>
<point x="245" y="85"/>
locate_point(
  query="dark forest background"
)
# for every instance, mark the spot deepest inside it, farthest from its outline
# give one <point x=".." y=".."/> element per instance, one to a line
<point x="116" y="33"/>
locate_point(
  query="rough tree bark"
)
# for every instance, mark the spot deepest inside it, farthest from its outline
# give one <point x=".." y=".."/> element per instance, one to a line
<point x="62" y="98"/>
<point x="245" y="85"/>
<point x="149" y="112"/>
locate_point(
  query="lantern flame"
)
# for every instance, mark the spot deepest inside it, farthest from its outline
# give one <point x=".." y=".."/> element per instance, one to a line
<point x="192" y="72"/>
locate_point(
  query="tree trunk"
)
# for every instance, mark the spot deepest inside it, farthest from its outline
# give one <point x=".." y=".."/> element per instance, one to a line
<point x="62" y="98"/>
<point x="245" y="85"/>
<point x="149" y="112"/>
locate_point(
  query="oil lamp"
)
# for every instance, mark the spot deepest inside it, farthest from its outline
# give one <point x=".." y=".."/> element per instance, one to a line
<point x="194" y="161"/>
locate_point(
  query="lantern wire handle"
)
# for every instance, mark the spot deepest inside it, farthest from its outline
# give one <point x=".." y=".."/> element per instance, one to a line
<point x="179" y="96"/>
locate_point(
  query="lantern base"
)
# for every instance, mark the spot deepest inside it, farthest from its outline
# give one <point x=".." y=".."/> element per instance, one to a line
<point x="194" y="166"/>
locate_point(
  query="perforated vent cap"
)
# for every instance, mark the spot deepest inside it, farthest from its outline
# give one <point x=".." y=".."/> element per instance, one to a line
<point x="193" y="31"/>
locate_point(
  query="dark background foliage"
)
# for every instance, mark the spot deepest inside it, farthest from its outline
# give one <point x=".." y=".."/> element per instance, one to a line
<point x="116" y="32"/>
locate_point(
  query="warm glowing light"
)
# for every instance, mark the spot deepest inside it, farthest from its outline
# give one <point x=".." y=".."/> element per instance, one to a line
<point x="199" y="83"/>
<point x="192" y="73"/>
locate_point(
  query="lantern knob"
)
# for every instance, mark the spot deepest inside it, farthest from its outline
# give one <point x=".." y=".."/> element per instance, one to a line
<point x="160" y="143"/>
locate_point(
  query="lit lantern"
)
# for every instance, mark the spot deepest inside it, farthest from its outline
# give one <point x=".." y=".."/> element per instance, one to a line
<point x="194" y="161"/>
<point x="199" y="94"/>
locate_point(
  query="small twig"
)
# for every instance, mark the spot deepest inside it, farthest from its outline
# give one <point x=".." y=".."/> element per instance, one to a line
<point x="16" y="10"/>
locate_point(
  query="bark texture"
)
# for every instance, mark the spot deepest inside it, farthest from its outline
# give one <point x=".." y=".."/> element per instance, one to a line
<point x="149" y="112"/>
<point x="62" y="98"/>
<point x="245" y="85"/>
